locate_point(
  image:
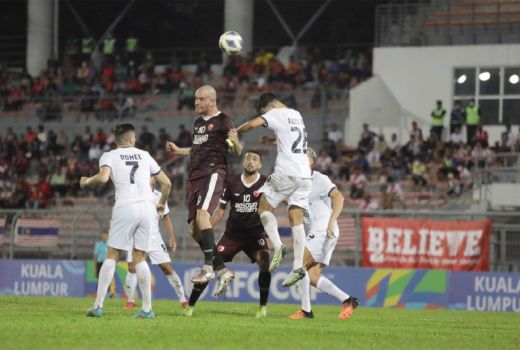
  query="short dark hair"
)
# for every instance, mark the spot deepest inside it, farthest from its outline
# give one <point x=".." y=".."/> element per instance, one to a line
<point x="255" y="152"/>
<point x="120" y="131"/>
<point x="264" y="100"/>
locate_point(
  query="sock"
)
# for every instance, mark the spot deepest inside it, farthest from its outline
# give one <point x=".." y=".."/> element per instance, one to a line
<point x="130" y="286"/>
<point x="176" y="284"/>
<point x="218" y="262"/>
<point x="271" y="228"/>
<point x="144" y="277"/>
<point x="305" y="287"/>
<point x="106" y="273"/>
<point x="326" y="286"/>
<point x="208" y="243"/>
<point x="298" y="245"/>
<point x="264" y="281"/>
<point x="196" y="292"/>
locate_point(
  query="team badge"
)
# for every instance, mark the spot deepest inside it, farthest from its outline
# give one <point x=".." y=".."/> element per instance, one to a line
<point x="256" y="193"/>
<point x="210" y="127"/>
<point x="220" y="248"/>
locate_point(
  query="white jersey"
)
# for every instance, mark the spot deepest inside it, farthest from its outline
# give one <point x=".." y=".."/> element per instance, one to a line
<point x="291" y="139"/>
<point x="320" y="208"/>
<point x="131" y="169"/>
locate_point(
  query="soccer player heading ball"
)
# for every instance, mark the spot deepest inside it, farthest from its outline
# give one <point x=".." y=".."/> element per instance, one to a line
<point x="290" y="181"/>
<point x="208" y="169"/>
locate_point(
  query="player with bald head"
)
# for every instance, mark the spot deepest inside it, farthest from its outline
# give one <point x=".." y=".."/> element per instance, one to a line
<point x="208" y="170"/>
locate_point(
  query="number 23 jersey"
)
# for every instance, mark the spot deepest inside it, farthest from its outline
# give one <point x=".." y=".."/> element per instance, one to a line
<point x="291" y="140"/>
<point x="131" y="169"/>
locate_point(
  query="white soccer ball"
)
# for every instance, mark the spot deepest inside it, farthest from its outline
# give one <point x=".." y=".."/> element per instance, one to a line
<point x="230" y="43"/>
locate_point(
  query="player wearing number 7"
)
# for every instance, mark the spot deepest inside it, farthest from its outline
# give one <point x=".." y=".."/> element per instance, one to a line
<point x="134" y="217"/>
<point x="290" y="181"/>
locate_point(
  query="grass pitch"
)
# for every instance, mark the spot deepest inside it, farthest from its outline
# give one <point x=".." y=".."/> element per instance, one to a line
<point x="59" y="323"/>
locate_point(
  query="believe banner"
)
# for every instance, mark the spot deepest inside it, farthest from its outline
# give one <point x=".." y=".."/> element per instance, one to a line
<point x="428" y="244"/>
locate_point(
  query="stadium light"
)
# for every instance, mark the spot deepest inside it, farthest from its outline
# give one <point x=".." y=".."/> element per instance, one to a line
<point x="462" y="79"/>
<point x="514" y="78"/>
<point x="484" y="76"/>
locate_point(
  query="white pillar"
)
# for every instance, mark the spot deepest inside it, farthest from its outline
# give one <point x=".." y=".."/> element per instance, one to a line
<point x="238" y="16"/>
<point x="39" y="35"/>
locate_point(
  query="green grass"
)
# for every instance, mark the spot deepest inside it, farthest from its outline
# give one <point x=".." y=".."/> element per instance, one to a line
<point x="59" y="323"/>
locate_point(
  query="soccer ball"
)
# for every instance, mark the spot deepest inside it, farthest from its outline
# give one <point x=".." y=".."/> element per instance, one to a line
<point x="230" y="43"/>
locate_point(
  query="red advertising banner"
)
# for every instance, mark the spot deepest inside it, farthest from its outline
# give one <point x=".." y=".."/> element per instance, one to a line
<point x="428" y="244"/>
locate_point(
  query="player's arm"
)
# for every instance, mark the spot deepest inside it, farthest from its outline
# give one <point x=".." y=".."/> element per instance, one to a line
<point x="337" y="201"/>
<point x="237" y="146"/>
<point x="172" y="147"/>
<point x="166" y="186"/>
<point x="100" y="178"/>
<point x="252" y="124"/>
<point x="218" y="215"/>
<point x="168" y="225"/>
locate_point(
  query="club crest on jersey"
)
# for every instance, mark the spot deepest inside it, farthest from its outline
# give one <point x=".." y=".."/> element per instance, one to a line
<point x="210" y="127"/>
<point x="256" y="193"/>
<point x="221" y="248"/>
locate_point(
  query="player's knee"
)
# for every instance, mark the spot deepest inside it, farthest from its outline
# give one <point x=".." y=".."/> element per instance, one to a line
<point x="131" y="267"/>
<point x="266" y="216"/>
<point x="166" y="269"/>
<point x="263" y="261"/>
<point x="314" y="276"/>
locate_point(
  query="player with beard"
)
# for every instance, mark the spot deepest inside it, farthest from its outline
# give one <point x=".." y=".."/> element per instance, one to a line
<point x="208" y="170"/>
<point x="244" y="230"/>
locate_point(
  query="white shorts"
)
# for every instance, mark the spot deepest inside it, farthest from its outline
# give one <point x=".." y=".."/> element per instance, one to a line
<point x="132" y="226"/>
<point x="279" y="187"/>
<point x="158" y="252"/>
<point x="320" y="246"/>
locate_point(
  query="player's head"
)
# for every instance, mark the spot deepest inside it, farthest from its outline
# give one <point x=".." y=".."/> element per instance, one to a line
<point x="266" y="102"/>
<point x="124" y="134"/>
<point x="252" y="162"/>
<point x="206" y="100"/>
<point x="311" y="154"/>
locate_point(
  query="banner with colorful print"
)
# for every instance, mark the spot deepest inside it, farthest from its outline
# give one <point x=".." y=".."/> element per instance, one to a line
<point x="428" y="244"/>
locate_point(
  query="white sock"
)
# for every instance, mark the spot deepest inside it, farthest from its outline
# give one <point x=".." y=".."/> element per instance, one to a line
<point x="130" y="286"/>
<point x="305" y="285"/>
<point x="326" y="286"/>
<point x="176" y="284"/>
<point x="105" y="278"/>
<point x="298" y="245"/>
<point x="144" y="277"/>
<point x="271" y="228"/>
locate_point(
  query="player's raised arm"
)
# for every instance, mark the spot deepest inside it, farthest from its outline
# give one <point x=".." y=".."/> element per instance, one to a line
<point x="252" y="124"/>
<point x="237" y="146"/>
<point x="100" y="178"/>
<point x="337" y="201"/>
<point x="166" y="186"/>
<point x="172" y="147"/>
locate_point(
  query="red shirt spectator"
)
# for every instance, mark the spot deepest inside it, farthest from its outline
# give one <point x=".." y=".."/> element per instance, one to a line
<point x="30" y="135"/>
<point x="101" y="137"/>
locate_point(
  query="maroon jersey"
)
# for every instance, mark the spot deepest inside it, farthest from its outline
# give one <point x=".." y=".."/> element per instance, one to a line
<point x="209" y="150"/>
<point x="243" y="216"/>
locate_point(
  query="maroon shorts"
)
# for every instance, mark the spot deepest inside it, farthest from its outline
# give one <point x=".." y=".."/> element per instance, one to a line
<point x="228" y="247"/>
<point x="204" y="193"/>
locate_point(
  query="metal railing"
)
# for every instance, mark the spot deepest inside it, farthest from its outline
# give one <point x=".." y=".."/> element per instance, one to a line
<point x="77" y="241"/>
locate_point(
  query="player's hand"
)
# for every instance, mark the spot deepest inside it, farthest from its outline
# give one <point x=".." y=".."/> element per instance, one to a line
<point x="330" y="229"/>
<point x="173" y="245"/>
<point x="83" y="182"/>
<point x="171" y="147"/>
<point x="160" y="209"/>
<point x="233" y="136"/>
